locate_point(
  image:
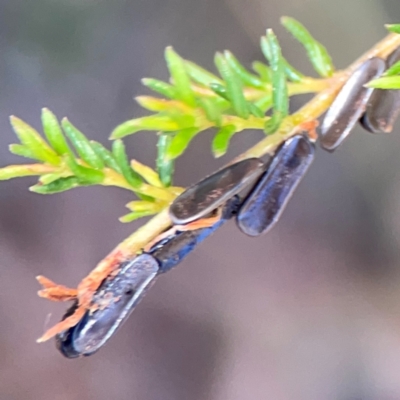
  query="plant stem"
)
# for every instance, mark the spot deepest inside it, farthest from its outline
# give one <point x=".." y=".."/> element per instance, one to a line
<point x="290" y="126"/>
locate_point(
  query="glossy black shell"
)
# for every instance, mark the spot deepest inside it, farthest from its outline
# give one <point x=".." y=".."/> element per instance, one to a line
<point x="207" y="195"/>
<point x="349" y="105"/>
<point x="383" y="107"/>
<point x="115" y="299"/>
<point x="266" y="202"/>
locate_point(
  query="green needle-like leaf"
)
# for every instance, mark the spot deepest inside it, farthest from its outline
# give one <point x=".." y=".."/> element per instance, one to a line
<point x="31" y="139"/>
<point x="263" y="70"/>
<point x="106" y="156"/>
<point x="316" y="52"/>
<point x="200" y="75"/>
<point x="255" y="110"/>
<point x="234" y="86"/>
<point x="393" y="70"/>
<point x="19" y="171"/>
<point x="177" y="69"/>
<point x="135" y="215"/>
<point x="82" y="145"/>
<point x="220" y="90"/>
<point x="23" y="151"/>
<point x="180" y="142"/>
<point x="138" y="206"/>
<point x="387" y="82"/>
<point x="221" y="140"/>
<point x="279" y="86"/>
<point x="395" y="28"/>
<point x="247" y="78"/>
<point x="119" y="153"/>
<point x="53" y="132"/>
<point x="212" y="110"/>
<point x="161" y="87"/>
<point x="155" y="122"/>
<point x="292" y="73"/>
<point x="165" y="167"/>
<point x="49" y="178"/>
<point x="84" y="174"/>
<point x="264" y="103"/>
<point x="146" y="173"/>
<point x="58" y="186"/>
<point x="154" y="104"/>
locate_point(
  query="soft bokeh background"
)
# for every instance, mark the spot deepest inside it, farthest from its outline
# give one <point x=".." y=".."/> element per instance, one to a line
<point x="311" y="311"/>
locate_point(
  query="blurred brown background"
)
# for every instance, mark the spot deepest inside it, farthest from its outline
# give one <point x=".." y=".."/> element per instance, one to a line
<point x="309" y="312"/>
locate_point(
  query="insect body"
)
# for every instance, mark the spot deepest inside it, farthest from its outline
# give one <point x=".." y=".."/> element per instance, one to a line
<point x="111" y="304"/>
<point x="383" y="107"/>
<point x="349" y="105"/>
<point x="267" y="200"/>
<point x="114" y="301"/>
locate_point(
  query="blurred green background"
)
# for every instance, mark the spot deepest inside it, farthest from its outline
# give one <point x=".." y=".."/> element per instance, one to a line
<point x="310" y="311"/>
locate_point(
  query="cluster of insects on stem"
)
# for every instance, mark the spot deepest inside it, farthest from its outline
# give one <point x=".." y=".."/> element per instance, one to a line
<point x="251" y="189"/>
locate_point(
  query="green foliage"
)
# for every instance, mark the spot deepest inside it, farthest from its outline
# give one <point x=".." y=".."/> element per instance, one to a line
<point x="316" y="52"/>
<point x="395" y="28"/>
<point x="81" y="162"/>
<point x="238" y="99"/>
<point x="193" y="101"/>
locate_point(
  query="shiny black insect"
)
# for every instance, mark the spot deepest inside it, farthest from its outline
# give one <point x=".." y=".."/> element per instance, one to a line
<point x="254" y="192"/>
<point x="383" y="107"/>
<point x="349" y="105"/>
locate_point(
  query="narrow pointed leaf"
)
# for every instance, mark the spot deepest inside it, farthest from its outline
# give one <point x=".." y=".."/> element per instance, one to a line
<point x="177" y="69"/>
<point x="19" y="171"/>
<point x="135" y="215"/>
<point x="393" y="70"/>
<point x="264" y="103"/>
<point x="161" y="87"/>
<point x="23" y="151"/>
<point x="263" y="70"/>
<point x="180" y="142"/>
<point x="273" y="123"/>
<point x="255" y="110"/>
<point x="106" y="156"/>
<point x="82" y="145"/>
<point x="36" y="144"/>
<point x="119" y="153"/>
<point x="280" y="96"/>
<point x="153" y="123"/>
<point x="153" y="104"/>
<point x="138" y="206"/>
<point x="211" y="109"/>
<point x="234" y="86"/>
<point x="49" y="178"/>
<point x="220" y="90"/>
<point x="53" y="132"/>
<point x="85" y="174"/>
<point x="221" y="140"/>
<point x="58" y="186"/>
<point x="147" y="173"/>
<point x="247" y="78"/>
<point x="316" y="52"/>
<point x="292" y="73"/>
<point x="165" y="167"/>
<point x="387" y="82"/>
<point x="200" y="75"/>
<point x="395" y="28"/>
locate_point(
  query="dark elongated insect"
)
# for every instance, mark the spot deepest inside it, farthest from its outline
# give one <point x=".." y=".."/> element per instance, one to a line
<point x="115" y="300"/>
<point x="121" y="292"/>
<point x="266" y="202"/>
<point x="349" y="105"/>
<point x="383" y="107"/>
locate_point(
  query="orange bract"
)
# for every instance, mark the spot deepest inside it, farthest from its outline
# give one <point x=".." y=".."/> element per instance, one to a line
<point x="89" y="285"/>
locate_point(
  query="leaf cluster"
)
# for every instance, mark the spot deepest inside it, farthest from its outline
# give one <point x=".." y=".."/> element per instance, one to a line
<point x="237" y="99"/>
<point x="68" y="159"/>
